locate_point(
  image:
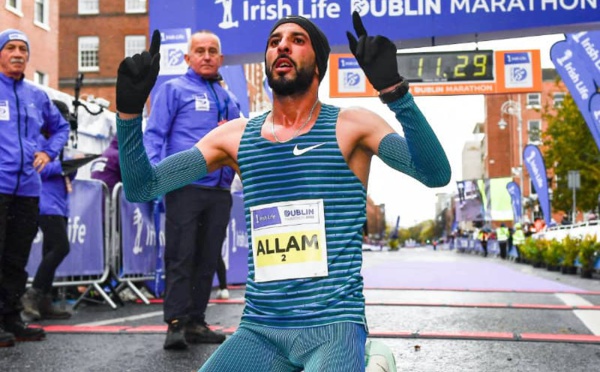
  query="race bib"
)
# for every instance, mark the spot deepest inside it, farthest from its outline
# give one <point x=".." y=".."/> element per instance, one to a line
<point x="288" y="240"/>
<point x="201" y="102"/>
<point x="4" y="111"/>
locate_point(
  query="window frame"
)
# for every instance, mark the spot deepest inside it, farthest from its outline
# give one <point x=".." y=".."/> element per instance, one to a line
<point x="558" y="103"/>
<point x="539" y="129"/>
<point x="40" y="78"/>
<point x="45" y="21"/>
<point x="133" y="39"/>
<point x="88" y="39"/>
<point x="81" y="5"/>
<point x="16" y="9"/>
<point x="534" y="103"/>
<point x="134" y="6"/>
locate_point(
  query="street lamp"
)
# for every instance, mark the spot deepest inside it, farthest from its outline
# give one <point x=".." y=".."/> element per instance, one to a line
<point x="513" y="108"/>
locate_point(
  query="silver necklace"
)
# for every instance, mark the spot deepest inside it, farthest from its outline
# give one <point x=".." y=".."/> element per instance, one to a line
<point x="298" y="130"/>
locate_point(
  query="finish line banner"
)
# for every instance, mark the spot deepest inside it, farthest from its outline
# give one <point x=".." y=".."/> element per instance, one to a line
<point x="243" y="25"/>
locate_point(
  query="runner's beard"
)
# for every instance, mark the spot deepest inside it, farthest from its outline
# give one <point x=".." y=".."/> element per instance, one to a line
<point x="283" y="86"/>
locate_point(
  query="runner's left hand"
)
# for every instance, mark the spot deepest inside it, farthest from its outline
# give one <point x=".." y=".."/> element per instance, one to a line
<point x="376" y="55"/>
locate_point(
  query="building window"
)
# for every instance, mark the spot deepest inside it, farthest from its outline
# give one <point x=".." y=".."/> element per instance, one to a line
<point x="135" y="6"/>
<point x="41" y="12"/>
<point x="40" y="78"/>
<point x="88" y="53"/>
<point x="534" y="100"/>
<point x="88" y="7"/>
<point x="134" y="44"/>
<point x="534" y="131"/>
<point x="558" y="98"/>
<point x="14" y="6"/>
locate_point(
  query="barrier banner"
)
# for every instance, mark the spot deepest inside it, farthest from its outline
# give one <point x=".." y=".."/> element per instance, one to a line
<point x="138" y="237"/>
<point x="515" y="198"/>
<point x="580" y="83"/>
<point x="534" y="162"/>
<point x="85" y="232"/>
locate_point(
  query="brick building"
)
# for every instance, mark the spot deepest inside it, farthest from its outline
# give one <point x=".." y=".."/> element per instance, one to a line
<point x="38" y="19"/>
<point x="500" y="146"/>
<point x="94" y="37"/>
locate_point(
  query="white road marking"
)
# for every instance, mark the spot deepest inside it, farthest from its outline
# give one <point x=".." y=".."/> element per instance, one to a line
<point x="590" y="318"/>
<point x="122" y="319"/>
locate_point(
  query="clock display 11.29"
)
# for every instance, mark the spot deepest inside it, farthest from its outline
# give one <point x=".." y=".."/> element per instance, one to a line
<point x="458" y="66"/>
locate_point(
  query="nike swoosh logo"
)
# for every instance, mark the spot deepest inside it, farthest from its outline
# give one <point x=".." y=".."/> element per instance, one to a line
<point x="298" y="152"/>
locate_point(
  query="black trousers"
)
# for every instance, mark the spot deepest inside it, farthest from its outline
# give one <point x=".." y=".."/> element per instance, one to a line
<point x="18" y="227"/>
<point x="503" y="249"/>
<point x="54" y="250"/>
<point x="221" y="273"/>
<point x="196" y="224"/>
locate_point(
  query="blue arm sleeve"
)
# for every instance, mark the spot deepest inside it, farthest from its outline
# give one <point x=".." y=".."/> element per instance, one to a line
<point x="143" y="181"/>
<point x="419" y="154"/>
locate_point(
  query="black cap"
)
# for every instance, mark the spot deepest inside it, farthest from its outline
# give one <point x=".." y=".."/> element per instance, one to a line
<point x="317" y="38"/>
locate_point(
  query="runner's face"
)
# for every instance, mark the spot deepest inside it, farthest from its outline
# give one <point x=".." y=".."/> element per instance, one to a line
<point x="290" y="60"/>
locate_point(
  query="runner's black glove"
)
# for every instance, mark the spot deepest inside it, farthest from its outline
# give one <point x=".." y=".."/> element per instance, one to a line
<point x="376" y="55"/>
<point x="136" y="77"/>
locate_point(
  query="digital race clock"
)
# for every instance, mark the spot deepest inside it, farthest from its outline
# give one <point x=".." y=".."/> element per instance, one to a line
<point x="459" y="66"/>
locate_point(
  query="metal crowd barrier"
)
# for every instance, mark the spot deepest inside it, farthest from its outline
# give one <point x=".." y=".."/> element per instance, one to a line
<point x="87" y="263"/>
<point x="114" y="244"/>
<point x="135" y="237"/>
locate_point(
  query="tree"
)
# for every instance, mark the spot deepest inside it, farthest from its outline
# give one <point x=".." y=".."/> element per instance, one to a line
<point x="569" y="145"/>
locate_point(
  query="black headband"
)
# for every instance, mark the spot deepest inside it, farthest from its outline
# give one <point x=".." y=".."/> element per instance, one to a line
<point x="317" y="38"/>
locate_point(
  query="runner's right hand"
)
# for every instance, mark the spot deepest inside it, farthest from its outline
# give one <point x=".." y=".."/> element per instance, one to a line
<point x="136" y="77"/>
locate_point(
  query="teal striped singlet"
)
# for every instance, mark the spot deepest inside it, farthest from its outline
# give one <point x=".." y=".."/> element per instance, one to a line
<point x="272" y="173"/>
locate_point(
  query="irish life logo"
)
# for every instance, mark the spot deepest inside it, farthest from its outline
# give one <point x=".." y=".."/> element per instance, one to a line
<point x="518" y="70"/>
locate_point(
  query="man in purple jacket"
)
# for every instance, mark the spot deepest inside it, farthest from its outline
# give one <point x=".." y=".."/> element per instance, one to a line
<point x="185" y="109"/>
<point x="25" y="111"/>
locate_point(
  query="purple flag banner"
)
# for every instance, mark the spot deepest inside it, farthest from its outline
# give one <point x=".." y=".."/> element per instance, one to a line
<point x="85" y="232"/>
<point x="138" y="237"/>
<point x="587" y="46"/>
<point x="534" y="162"/>
<point x="575" y="72"/>
<point x="515" y="198"/>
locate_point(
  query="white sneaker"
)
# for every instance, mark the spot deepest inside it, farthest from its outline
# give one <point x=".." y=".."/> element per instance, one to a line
<point x="379" y="357"/>
<point x="223" y="294"/>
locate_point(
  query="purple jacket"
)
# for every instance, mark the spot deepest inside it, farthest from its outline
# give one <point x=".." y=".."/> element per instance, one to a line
<point x="54" y="198"/>
<point x="26" y="110"/>
<point x="185" y="109"/>
<point x="106" y="168"/>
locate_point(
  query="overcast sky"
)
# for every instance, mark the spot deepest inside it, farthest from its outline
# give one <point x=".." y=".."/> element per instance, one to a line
<point x="451" y="117"/>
